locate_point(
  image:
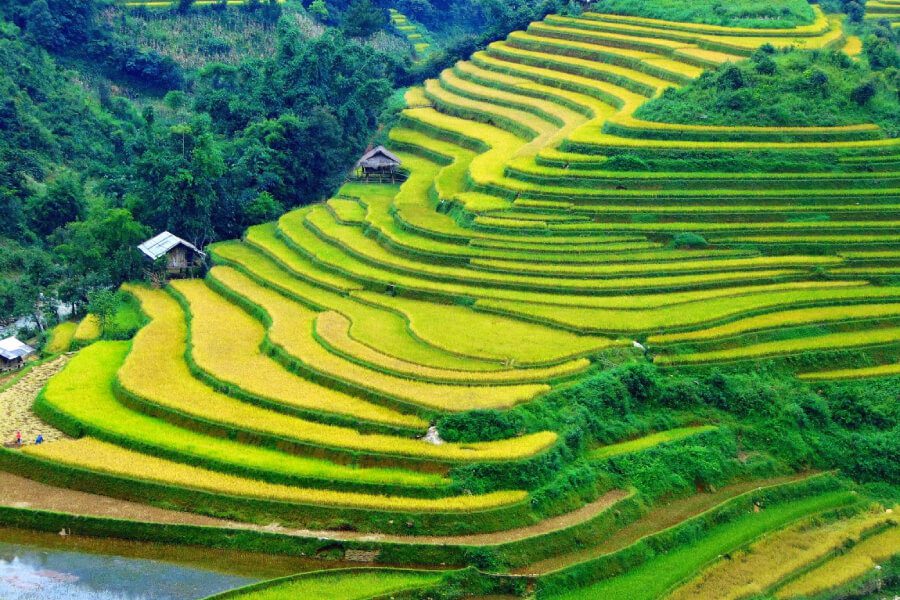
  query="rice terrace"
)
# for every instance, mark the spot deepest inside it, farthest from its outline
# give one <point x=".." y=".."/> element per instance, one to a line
<point x="440" y="299"/>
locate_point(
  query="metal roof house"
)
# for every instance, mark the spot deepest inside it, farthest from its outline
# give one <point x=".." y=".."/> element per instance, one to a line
<point x="181" y="256"/>
<point x="379" y="163"/>
<point x="13" y="353"/>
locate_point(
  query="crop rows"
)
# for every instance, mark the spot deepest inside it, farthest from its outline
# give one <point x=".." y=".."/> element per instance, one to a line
<point x="543" y="230"/>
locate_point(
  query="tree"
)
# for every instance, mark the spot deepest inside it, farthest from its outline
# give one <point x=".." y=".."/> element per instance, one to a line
<point x="102" y="304"/>
<point x="178" y="180"/>
<point x="263" y="208"/>
<point x="762" y="60"/>
<point x="363" y="18"/>
<point x="102" y="251"/>
<point x="185" y="5"/>
<point x="175" y="100"/>
<point x="60" y="24"/>
<point x="732" y="78"/>
<point x="40" y="24"/>
<point x="855" y="12"/>
<point x="882" y="53"/>
<point x="61" y="203"/>
<point x="818" y="81"/>
<point x="319" y="10"/>
<point x="297" y="160"/>
<point x="864" y="92"/>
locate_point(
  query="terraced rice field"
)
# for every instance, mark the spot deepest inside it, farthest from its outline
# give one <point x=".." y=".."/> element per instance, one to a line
<point x="887" y="10"/>
<point x="659" y="574"/>
<point x="765" y="564"/>
<point x="648" y="441"/>
<point x="416" y="35"/>
<point x="846" y="566"/>
<point x="345" y="585"/>
<point x="297" y="383"/>
<point x="61" y="337"/>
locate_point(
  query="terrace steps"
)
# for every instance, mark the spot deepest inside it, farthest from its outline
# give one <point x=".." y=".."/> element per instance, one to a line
<point x="527" y="248"/>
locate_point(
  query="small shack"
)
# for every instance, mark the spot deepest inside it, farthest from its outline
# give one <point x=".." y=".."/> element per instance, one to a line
<point x="182" y="257"/>
<point x="13" y="353"/>
<point x="379" y="164"/>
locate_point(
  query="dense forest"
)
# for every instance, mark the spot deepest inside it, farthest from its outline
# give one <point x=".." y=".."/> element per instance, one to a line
<point x="111" y="135"/>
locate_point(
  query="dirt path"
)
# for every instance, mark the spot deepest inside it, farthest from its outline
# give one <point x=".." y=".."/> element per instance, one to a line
<point x="660" y="518"/>
<point x="24" y="493"/>
<point x="585" y="513"/>
<point x="16" y="403"/>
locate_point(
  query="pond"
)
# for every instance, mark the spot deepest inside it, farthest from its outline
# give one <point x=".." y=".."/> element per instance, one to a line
<point x="32" y="572"/>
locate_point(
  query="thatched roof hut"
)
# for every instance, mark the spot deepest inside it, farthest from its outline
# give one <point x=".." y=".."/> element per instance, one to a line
<point x="379" y="163"/>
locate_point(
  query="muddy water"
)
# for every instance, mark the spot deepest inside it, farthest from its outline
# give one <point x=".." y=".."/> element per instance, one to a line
<point x="30" y="572"/>
<point x="46" y="566"/>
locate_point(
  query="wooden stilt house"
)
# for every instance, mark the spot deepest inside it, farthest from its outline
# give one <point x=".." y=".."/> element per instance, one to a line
<point x="181" y="257"/>
<point x="380" y="164"/>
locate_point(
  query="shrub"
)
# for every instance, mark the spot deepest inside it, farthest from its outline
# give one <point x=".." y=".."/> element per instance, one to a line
<point x="864" y="92"/>
<point x="689" y="240"/>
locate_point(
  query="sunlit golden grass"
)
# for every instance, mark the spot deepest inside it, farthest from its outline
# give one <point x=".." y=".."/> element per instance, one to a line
<point x="788" y="318"/>
<point x="333" y="330"/>
<point x="854" y="563"/>
<point x="561" y="116"/>
<point x="226" y="342"/>
<point x="886" y="370"/>
<point x="515" y="342"/>
<point x="559" y="41"/>
<point x="663" y="312"/>
<point x="380" y="264"/>
<point x="349" y="585"/>
<point x="830" y="341"/>
<point x="652" y="267"/>
<point x="499" y="145"/>
<point x="346" y="210"/>
<point x="427" y="333"/>
<point x="88" y="329"/>
<point x="95" y="455"/>
<point x="613" y="95"/>
<point x="84" y="392"/>
<point x="648" y="441"/>
<point x="587" y="105"/>
<point x="297" y="340"/>
<point x="631" y="79"/>
<point x="588" y="136"/>
<point x="751" y="572"/>
<point x="381" y="329"/>
<point x="819" y="25"/>
<point x="807" y="238"/>
<point x="447" y="180"/>
<point x="156" y="370"/>
<point x="61" y="337"/>
<point x="264" y="238"/>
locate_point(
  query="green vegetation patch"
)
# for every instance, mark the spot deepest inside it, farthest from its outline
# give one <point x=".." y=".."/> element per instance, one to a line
<point x="783" y="89"/>
<point x="658" y="575"/>
<point x="344" y="585"/>
<point x="81" y="398"/>
<point x="649" y="441"/>
<point x="732" y="13"/>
